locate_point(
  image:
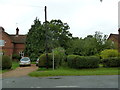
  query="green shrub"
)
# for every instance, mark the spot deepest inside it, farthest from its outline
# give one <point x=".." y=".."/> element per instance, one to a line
<point x="16" y="57"/>
<point x="6" y="62"/>
<point x="111" y="62"/>
<point x="76" y="61"/>
<point x="60" y="55"/>
<point x="71" y="59"/>
<point x="43" y="60"/>
<point x="59" y="58"/>
<point x="109" y="53"/>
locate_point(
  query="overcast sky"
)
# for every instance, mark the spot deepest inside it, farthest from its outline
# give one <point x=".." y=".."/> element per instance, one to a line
<point x="83" y="16"/>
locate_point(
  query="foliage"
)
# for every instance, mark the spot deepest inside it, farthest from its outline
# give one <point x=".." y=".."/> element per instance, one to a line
<point x="90" y="45"/>
<point x="42" y="60"/>
<point x="38" y="38"/>
<point x="102" y="42"/>
<point x="15" y="65"/>
<point x="6" y="62"/>
<point x="59" y="58"/>
<point x="35" y="40"/>
<point x="60" y="32"/>
<point x="111" y="62"/>
<point x="16" y="57"/>
<point x="60" y="53"/>
<point x="109" y="53"/>
<point x="76" y="61"/>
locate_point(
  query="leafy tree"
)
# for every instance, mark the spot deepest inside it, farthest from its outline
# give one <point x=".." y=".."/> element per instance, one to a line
<point x="60" y="32"/>
<point x="35" y="40"/>
<point x="102" y="42"/>
<point x="90" y="45"/>
<point x="53" y="34"/>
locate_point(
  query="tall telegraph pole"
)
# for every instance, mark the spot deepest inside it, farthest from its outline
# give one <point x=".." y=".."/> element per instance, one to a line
<point x="46" y="46"/>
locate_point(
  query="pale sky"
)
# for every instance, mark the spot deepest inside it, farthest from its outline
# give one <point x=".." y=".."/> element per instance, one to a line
<point x="83" y="16"/>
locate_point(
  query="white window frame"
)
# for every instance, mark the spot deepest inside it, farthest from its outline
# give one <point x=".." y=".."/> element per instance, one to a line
<point x="21" y="54"/>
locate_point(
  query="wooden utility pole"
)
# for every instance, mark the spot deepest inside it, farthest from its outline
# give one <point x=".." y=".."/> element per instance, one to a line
<point x="46" y="46"/>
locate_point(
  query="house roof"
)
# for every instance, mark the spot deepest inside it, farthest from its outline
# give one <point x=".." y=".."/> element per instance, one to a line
<point x="115" y="36"/>
<point x="18" y="38"/>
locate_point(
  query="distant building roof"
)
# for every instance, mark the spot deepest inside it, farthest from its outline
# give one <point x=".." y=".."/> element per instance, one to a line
<point x="18" y="38"/>
<point x="15" y="38"/>
<point x="115" y="36"/>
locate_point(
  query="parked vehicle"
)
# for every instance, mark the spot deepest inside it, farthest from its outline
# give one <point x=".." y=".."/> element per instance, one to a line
<point x="37" y="62"/>
<point x="25" y="61"/>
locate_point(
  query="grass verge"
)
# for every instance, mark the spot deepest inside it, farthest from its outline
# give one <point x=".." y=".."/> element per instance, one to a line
<point x="73" y="72"/>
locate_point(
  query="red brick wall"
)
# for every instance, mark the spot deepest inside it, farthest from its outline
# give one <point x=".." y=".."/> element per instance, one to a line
<point x="8" y="48"/>
<point x="114" y="40"/>
<point x="18" y="48"/>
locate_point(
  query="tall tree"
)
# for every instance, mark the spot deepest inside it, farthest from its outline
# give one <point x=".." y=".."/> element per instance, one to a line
<point x="57" y="35"/>
<point x="35" y="40"/>
<point x="60" y="32"/>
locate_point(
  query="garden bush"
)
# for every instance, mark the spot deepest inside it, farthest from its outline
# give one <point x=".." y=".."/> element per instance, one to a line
<point x="6" y="62"/>
<point x="71" y="59"/>
<point x="111" y="62"/>
<point x="59" y="58"/>
<point x="109" y="53"/>
<point x="76" y="61"/>
<point x="16" y="57"/>
<point x="42" y="60"/>
<point x="60" y="55"/>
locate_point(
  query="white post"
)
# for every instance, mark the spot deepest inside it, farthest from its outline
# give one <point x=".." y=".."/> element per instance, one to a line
<point x="53" y="59"/>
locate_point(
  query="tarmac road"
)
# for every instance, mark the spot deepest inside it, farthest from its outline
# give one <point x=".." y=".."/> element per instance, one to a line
<point x="99" y="81"/>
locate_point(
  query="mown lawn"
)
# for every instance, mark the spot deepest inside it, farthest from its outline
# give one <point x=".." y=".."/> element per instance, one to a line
<point x="74" y="72"/>
<point x="14" y="66"/>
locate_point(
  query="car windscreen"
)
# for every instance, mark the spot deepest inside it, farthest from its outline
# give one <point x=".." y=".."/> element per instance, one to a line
<point x="25" y="59"/>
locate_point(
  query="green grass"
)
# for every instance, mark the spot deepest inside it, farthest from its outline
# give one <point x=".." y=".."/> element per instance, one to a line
<point x="73" y="72"/>
<point x="14" y="66"/>
<point x="33" y="62"/>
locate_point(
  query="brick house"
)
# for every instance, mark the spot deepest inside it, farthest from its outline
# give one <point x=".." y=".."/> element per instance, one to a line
<point x="115" y="38"/>
<point x="11" y="43"/>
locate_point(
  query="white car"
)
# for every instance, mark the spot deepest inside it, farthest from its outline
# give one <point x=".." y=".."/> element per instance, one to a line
<point x="37" y="62"/>
<point x="25" y="61"/>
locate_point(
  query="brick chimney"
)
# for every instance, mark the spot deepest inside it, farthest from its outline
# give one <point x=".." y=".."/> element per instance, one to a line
<point x="119" y="39"/>
<point x="2" y="29"/>
<point x="17" y="31"/>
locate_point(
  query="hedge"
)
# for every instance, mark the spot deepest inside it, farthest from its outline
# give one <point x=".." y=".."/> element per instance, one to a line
<point x="6" y="62"/>
<point x="43" y="60"/>
<point x="111" y="62"/>
<point x="109" y="53"/>
<point x="59" y="58"/>
<point x="76" y="61"/>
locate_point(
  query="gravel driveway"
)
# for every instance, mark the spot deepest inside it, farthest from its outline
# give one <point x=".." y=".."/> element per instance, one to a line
<point x="20" y="71"/>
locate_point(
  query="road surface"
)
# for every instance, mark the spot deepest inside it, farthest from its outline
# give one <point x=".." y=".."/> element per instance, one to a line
<point x="100" y="81"/>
